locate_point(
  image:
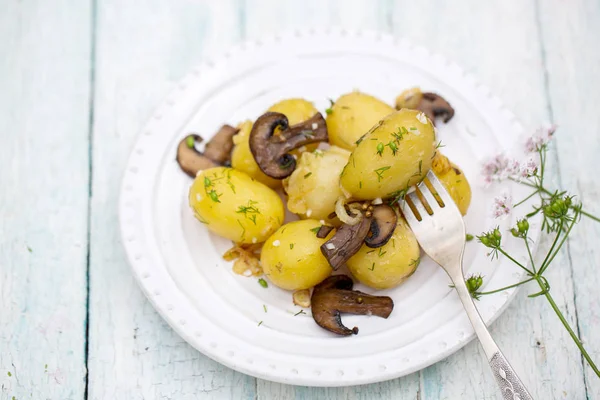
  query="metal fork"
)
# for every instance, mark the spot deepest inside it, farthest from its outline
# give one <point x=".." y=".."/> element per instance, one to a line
<point x="440" y="230"/>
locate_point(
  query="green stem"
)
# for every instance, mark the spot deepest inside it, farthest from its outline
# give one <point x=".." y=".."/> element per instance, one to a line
<point x="515" y="261"/>
<point x="526" y="198"/>
<point x="529" y="252"/>
<point x="523" y="182"/>
<point x="549" y="260"/>
<point x="505" y="288"/>
<point x="545" y="262"/>
<point x="568" y="328"/>
<point x="589" y="215"/>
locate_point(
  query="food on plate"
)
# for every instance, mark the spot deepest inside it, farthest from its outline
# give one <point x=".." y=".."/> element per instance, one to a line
<point x="242" y="159"/>
<point x="393" y="156"/>
<point x="390" y="265"/>
<point x="345" y="193"/>
<point x="454" y="180"/>
<point x="291" y="258"/>
<point x="351" y="116"/>
<point x="296" y="110"/>
<point x="234" y="206"/>
<point x="370" y="224"/>
<point x="272" y="152"/>
<point x="335" y="296"/>
<point x="302" y="298"/>
<point x="313" y="188"/>
<point x="432" y="104"/>
<point x="216" y="152"/>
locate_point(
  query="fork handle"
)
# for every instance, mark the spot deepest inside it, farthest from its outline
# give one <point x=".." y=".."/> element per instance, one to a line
<point x="509" y="382"/>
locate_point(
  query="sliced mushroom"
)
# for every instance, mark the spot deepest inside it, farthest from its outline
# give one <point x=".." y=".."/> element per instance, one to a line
<point x="324" y="231"/>
<point x="217" y="151"/>
<point x="434" y="105"/>
<point x="334" y="296"/>
<point x="346" y="242"/>
<point x="191" y="160"/>
<point x="219" y="147"/>
<point x="382" y="226"/>
<point x="271" y="151"/>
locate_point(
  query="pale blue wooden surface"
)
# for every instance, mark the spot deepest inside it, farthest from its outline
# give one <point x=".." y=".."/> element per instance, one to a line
<point x="77" y="81"/>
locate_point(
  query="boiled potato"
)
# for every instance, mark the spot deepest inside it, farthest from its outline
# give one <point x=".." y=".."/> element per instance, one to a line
<point x="453" y="180"/>
<point x="235" y="206"/>
<point x="291" y="258"/>
<point x="296" y="110"/>
<point x="243" y="160"/>
<point x="351" y="116"/>
<point x="395" y="154"/>
<point x="313" y="188"/>
<point x="389" y="265"/>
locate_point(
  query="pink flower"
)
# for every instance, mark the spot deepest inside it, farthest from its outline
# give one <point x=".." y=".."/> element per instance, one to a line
<point x="495" y="169"/>
<point x="502" y="206"/>
<point x="540" y="138"/>
<point x="528" y="169"/>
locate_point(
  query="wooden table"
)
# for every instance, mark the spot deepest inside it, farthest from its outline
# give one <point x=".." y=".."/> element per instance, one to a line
<point x="79" y="78"/>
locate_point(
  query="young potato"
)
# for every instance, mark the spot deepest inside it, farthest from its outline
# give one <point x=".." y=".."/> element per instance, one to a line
<point x="296" y="110"/>
<point x="313" y="188"/>
<point x="390" y="265"/>
<point x="235" y="206"/>
<point x="351" y="116"/>
<point x="453" y="180"/>
<point x="291" y="258"/>
<point x="243" y="160"/>
<point x="394" y="155"/>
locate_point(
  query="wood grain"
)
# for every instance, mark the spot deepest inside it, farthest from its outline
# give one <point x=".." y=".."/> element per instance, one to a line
<point x="543" y="63"/>
<point x="507" y="58"/>
<point x="570" y="33"/>
<point x="44" y="114"/>
<point x="143" y="49"/>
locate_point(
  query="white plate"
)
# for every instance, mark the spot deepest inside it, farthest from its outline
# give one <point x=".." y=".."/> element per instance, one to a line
<point x="178" y="262"/>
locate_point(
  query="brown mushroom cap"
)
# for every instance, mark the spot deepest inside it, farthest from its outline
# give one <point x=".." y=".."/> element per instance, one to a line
<point x="346" y="241"/>
<point x="434" y="105"/>
<point x="382" y="226"/>
<point x="271" y="152"/>
<point x="191" y="160"/>
<point x="334" y="296"/>
<point x="217" y="151"/>
<point x="219" y="147"/>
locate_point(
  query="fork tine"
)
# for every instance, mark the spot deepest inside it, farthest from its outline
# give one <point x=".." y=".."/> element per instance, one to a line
<point x="409" y="216"/>
<point x="418" y="205"/>
<point x="440" y="189"/>
<point x="429" y="196"/>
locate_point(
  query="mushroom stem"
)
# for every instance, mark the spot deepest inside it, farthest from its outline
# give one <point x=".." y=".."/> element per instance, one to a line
<point x="335" y="296"/>
<point x="271" y="152"/>
<point x="346" y="241"/>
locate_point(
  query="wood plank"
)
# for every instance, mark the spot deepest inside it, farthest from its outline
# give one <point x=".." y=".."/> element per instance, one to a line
<point x="44" y="115"/>
<point x="143" y="49"/>
<point x="570" y="34"/>
<point x="355" y="14"/>
<point x="506" y="57"/>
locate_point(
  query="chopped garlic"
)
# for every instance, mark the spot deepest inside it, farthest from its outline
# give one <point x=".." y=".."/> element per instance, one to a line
<point x="198" y="197"/>
<point x="377" y="201"/>
<point x="315" y="125"/>
<point x="330" y="246"/>
<point x="322" y="222"/>
<point x="422" y="118"/>
<point x="276" y="243"/>
<point x="308" y="213"/>
<point x="302" y="298"/>
<point x="247" y="273"/>
<point x="254" y="240"/>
